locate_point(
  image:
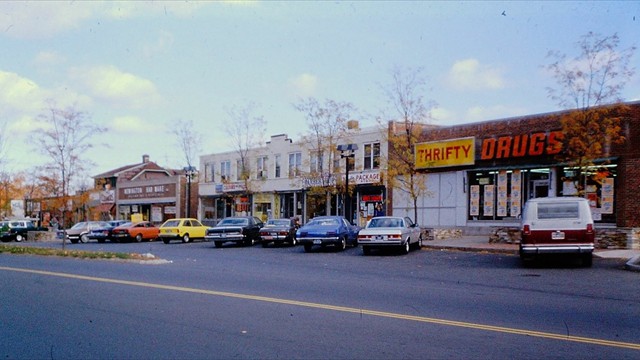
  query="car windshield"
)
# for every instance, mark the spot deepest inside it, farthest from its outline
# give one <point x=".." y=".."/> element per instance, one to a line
<point x="234" y="222"/>
<point x="171" y="223"/>
<point x="385" y="222"/>
<point x="558" y="211"/>
<point x="79" y="225"/>
<point x="278" y="222"/>
<point x="323" y="222"/>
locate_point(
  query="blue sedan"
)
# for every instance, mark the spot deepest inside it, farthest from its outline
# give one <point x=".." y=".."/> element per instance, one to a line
<point x="328" y="230"/>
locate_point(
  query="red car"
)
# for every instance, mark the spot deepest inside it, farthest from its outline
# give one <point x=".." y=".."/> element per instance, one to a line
<point x="139" y="231"/>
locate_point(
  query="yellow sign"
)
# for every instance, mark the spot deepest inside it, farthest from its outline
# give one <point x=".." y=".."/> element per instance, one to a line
<point x="455" y="152"/>
<point x="136" y="218"/>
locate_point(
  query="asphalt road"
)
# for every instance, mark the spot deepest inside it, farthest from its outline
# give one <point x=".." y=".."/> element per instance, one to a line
<point x="283" y="303"/>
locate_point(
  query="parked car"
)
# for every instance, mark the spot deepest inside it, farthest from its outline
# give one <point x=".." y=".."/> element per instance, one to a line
<point x="104" y="233"/>
<point x="16" y="230"/>
<point x="143" y="230"/>
<point x="557" y="225"/>
<point x="243" y="230"/>
<point x="184" y="229"/>
<point x="328" y="230"/>
<point x="279" y="231"/>
<point x="390" y="231"/>
<point x="80" y="231"/>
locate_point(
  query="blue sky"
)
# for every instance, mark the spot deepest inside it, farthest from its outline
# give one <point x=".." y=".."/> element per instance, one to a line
<point x="138" y="67"/>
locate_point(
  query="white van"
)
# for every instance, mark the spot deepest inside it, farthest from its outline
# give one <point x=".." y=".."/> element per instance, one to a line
<point x="557" y="225"/>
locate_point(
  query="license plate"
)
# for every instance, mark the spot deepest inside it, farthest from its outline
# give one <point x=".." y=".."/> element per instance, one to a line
<point x="267" y="237"/>
<point x="317" y="242"/>
<point x="557" y="235"/>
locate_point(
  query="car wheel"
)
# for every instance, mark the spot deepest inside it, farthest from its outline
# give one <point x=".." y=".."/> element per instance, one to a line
<point x="366" y="250"/>
<point x="185" y="238"/>
<point x="19" y="238"/>
<point x="587" y="260"/>
<point x="307" y="247"/>
<point x="139" y="238"/>
<point x="166" y="241"/>
<point x="218" y="244"/>
<point x="343" y="244"/>
<point x="406" y="247"/>
<point x="84" y="238"/>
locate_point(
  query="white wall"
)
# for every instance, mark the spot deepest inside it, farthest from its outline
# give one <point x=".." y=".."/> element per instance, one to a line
<point x="445" y="205"/>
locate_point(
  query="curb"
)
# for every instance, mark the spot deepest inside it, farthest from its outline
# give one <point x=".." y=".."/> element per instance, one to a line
<point x="471" y="249"/>
<point x="633" y="264"/>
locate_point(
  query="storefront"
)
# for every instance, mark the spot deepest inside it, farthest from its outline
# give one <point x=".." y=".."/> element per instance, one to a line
<point x="482" y="174"/>
<point x="155" y="200"/>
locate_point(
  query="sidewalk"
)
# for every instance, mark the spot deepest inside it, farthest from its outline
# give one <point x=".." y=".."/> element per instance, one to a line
<point x="481" y="244"/>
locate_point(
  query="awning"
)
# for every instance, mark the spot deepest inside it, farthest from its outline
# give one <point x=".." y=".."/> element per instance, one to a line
<point x="103" y="208"/>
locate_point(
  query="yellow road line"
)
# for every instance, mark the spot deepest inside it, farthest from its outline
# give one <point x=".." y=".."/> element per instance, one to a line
<point x="468" y="325"/>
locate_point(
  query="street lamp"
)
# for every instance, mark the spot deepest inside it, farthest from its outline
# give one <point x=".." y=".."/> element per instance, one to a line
<point x="347" y="151"/>
<point x="189" y="171"/>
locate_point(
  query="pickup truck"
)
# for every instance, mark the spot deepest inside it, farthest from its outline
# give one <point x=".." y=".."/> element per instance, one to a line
<point x="16" y="230"/>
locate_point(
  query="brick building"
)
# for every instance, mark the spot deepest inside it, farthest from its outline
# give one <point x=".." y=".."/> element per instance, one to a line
<point x="479" y="175"/>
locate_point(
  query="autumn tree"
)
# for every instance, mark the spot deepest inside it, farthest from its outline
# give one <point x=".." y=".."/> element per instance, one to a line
<point x="246" y="131"/>
<point x="409" y="113"/>
<point x="328" y="127"/>
<point x="189" y="140"/>
<point x="64" y="137"/>
<point x="590" y="85"/>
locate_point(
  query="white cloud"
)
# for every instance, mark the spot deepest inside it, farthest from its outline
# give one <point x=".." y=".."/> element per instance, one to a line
<point x="118" y="88"/>
<point x="469" y="74"/>
<point x="48" y="59"/>
<point x="442" y="116"/>
<point x="479" y="113"/>
<point x="304" y="85"/>
<point x="161" y="45"/>
<point x="42" y="19"/>
<point x="45" y="19"/>
<point x="129" y="124"/>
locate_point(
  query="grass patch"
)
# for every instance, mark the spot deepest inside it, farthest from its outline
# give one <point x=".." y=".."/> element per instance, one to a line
<point x="27" y="250"/>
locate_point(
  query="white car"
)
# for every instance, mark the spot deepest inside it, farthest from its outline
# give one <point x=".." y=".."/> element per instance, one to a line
<point x="390" y="231"/>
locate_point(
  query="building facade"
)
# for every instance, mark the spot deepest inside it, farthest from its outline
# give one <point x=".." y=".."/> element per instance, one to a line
<point x="145" y="188"/>
<point x="481" y="174"/>
<point x="292" y="179"/>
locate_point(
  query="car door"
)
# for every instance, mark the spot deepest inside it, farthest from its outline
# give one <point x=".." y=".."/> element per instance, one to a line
<point x="199" y="230"/>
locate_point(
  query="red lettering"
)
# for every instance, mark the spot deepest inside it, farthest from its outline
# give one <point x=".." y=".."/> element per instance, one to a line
<point x="536" y="147"/>
<point x="555" y="142"/>
<point x="488" y="149"/>
<point x="520" y="145"/>
<point x="504" y="147"/>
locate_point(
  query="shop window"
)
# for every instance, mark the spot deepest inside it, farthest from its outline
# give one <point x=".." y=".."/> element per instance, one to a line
<point x="295" y="163"/>
<point x="225" y="170"/>
<point x="261" y="168"/>
<point x="372" y="156"/>
<point x="495" y="195"/>
<point x="595" y="183"/>
<point x="209" y="172"/>
<point x="278" y="166"/>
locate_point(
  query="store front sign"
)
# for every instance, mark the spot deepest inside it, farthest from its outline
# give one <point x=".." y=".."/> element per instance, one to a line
<point x="146" y="192"/>
<point x="512" y="146"/>
<point x="455" y="152"/>
<point x="229" y="187"/>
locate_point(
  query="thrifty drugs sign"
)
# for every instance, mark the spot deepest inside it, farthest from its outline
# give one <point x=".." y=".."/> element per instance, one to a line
<point x="455" y="152"/>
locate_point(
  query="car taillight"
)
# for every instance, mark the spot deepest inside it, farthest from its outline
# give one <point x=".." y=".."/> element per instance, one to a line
<point x="526" y="230"/>
<point x="395" y="236"/>
<point x="589" y="228"/>
<point x="363" y="236"/>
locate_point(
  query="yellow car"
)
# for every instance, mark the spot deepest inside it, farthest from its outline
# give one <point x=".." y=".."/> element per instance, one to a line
<point x="182" y="229"/>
